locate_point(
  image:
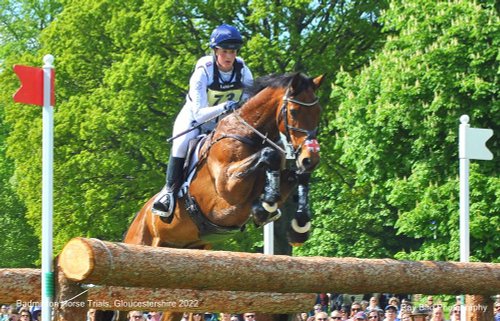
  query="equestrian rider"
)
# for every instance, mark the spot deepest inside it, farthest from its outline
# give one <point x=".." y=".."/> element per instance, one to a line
<point x="215" y="86"/>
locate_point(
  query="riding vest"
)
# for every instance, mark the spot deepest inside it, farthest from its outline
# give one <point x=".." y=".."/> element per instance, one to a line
<point x="221" y="90"/>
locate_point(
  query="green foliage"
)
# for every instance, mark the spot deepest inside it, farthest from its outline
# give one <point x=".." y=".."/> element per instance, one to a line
<point x="395" y="159"/>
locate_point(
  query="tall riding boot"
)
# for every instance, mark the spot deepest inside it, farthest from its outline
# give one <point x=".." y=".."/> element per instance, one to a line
<point x="164" y="204"/>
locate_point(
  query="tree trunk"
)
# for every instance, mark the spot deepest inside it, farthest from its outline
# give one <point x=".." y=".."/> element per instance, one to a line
<point x="119" y="264"/>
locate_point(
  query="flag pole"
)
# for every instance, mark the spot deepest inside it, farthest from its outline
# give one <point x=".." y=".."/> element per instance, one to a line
<point x="47" y="190"/>
<point x="464" y="201"/>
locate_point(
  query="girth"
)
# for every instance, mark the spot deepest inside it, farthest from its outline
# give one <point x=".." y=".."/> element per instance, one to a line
<point x="206" y="228"/>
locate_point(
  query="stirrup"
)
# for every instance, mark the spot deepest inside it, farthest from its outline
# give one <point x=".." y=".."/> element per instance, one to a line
<point x="164" y="204"/>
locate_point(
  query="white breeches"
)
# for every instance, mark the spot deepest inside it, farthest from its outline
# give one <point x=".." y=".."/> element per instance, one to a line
<point x="183" y="122"/>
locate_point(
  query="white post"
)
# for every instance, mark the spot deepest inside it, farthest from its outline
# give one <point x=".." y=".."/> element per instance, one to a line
<point x="269" y="238"/>
<point x="464" y="201"/>
<point x="47" y="190"/>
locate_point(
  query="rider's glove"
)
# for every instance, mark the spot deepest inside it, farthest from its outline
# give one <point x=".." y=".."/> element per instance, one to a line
<point x="231" y="105"/>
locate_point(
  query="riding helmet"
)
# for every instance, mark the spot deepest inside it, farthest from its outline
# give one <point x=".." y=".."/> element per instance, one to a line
<point x="227" y="37"/>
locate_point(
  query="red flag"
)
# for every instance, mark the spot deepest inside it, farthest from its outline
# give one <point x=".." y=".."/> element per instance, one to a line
<point x="31" y="91"/>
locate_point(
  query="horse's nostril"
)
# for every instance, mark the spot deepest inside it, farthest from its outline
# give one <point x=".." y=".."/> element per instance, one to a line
<point x="306" y="162"/>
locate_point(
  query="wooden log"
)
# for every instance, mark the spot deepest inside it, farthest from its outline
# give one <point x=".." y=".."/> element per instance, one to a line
<point x="20" y="285"/>
<point x="186" y="300"/>
<point x="138" y="298"/>
<point x="119" y="264"/>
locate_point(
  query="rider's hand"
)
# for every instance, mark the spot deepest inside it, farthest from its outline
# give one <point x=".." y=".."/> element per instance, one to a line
<point x="231" y="105"/>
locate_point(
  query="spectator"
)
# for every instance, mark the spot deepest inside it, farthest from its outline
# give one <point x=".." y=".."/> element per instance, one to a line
<point x="394" y="301"/>
<point x="430" y="302"/>
<point x="14" y="316"/>
<point x="437" y="313"/>
<point x="185" y="317"/>
<point x="36" y="313"/>
<point x="4" y="315"/>
<point x="225" y="316"/>
<point x="406" y="306"/>
<point x="154" y="316"/>
<point x="355" y="308"/>
<point x="136" y="316"/>
<point x="497" y="311"/>
<point x="234" y="317"/>
<point x="24" y="315"/>
<point x="390" y="313"/>
<point x="374" y="315"/>
<point x="249" y="316"/>
<point x="344" y="310"/>
<point x="406" y="316"/>
<point x="317" y="308"/>
<point x="360" y="316"/>
<point x="373" y="304"/>
<point x="196" y="317"/>
<point x="321" y="316"/>
<point x="420" y="314"/>
<point x="336" y="315"/>
<point x="455" y="313"/>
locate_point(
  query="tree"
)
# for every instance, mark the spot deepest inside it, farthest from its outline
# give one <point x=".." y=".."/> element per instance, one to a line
<point x="396" y="157"/>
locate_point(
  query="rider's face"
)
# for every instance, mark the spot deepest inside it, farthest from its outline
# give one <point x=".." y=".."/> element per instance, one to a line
<point x="225" y="58"/>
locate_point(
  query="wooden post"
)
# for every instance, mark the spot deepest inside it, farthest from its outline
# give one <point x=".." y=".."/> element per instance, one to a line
<point x="479" y="308"/>
<point x="99" y="262"/>
<point x="70" y="301"/>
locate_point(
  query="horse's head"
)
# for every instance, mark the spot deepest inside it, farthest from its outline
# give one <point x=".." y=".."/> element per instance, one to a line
<point x="298" y="120"/>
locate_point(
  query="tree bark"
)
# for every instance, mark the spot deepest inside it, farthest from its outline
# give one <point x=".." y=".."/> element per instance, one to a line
<point x="119" y="264"/>
<point x="21" y="286"/>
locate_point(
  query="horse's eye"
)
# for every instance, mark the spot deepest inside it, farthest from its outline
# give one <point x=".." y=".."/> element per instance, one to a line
<point x="294" y="112"/>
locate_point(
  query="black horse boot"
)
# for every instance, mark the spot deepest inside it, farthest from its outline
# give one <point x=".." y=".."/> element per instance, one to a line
<point x="164" y="204"/>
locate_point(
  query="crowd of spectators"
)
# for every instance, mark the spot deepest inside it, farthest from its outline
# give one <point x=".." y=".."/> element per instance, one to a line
<point x="329" y="308"/>
<point x="384" y="309"/>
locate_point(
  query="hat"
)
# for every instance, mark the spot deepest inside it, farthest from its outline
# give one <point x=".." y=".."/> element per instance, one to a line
<point x="391" y="307"/>
<point x="360" y="315"/>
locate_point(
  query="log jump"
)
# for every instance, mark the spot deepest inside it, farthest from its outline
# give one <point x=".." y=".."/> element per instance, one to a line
<point x="115" y="264"/>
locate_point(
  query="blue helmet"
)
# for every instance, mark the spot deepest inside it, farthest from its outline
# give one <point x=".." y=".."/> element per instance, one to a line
<point x="227" y="37"/>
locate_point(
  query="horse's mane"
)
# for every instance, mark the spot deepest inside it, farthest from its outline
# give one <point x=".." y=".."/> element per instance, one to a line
<point x="279" y="81"/>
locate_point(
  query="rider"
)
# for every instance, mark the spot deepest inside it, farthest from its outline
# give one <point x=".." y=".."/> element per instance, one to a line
<point x="216" y="85"/>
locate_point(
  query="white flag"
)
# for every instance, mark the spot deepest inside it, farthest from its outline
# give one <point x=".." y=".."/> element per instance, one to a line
<point x="472" y="141"/>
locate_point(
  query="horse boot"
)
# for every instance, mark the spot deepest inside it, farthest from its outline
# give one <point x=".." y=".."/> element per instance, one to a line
<point x="164" y="203"/>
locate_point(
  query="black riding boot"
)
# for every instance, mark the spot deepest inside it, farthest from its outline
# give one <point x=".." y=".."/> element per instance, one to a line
<point x="164" y="204"/>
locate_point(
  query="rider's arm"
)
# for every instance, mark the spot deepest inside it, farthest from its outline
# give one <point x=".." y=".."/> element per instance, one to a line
<point x="247" y="80"/>
<point x="198" y="85"/>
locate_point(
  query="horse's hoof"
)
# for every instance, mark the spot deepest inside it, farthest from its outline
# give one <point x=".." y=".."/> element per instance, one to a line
<point x="270" y="208"/>
<point x="300" y="229"/>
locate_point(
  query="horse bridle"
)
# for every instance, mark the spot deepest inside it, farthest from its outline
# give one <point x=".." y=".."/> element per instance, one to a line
<point x="311" y="134"/>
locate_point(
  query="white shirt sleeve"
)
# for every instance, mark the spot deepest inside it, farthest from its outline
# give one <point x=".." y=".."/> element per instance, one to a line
<point x="198" y="100"/>
<point x="247" y="80"/>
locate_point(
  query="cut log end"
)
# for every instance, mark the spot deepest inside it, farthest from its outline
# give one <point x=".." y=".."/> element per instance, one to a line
<point x="77" y="259"/>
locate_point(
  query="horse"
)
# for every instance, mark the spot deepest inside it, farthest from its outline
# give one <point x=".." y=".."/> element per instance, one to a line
<point x="246" y="169"/>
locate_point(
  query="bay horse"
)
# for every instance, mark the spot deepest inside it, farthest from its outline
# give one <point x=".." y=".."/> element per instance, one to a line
<point x="242" y="170"/>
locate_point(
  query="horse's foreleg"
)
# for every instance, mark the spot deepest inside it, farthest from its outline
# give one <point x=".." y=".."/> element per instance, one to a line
<point x="300" y="225"/>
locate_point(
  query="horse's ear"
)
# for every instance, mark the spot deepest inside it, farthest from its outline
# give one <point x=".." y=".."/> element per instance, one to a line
<point x="318" y="80"/>
<point x="295" y="82"/>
